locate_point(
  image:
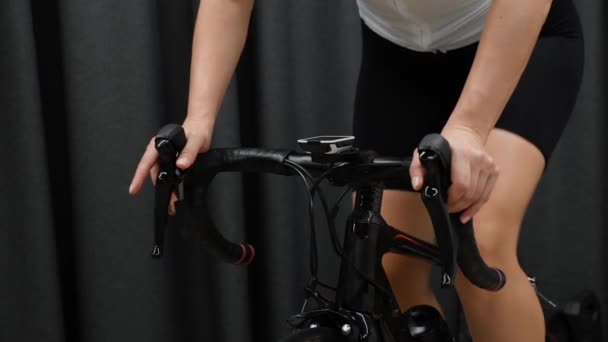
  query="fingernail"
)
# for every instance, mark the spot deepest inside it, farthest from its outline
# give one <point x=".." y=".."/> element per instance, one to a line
<point x="465" y="219"/>
<point x="182" y="161"/>
<point x="131" y="188"/>
<point x="416" y="182"/>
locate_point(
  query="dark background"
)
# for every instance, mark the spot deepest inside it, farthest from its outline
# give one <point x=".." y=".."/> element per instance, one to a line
<point x="85" y="84"/>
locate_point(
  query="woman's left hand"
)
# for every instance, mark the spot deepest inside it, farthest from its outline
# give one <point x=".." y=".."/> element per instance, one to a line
<point x="473" y="173"/>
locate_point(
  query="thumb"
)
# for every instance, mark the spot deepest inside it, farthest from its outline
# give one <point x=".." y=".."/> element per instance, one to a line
<point x="195" y="144"/>
<point x="416" y="172"/>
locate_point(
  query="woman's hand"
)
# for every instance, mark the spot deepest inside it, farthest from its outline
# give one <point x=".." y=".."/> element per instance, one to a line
<point x="473" y="173"/>
<point x="198" y="134"/>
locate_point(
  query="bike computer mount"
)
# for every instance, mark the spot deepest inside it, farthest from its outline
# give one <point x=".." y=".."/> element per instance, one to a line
<point x="330" y="148"/>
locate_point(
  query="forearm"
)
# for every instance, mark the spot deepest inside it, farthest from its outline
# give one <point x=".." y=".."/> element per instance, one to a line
<point x="219" y="36"/>
<point x="510" y="34"/>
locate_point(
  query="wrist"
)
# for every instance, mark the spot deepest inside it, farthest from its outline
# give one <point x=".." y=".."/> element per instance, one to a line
<point x="476" y="111"/>
<point x="455" y="126"/>
<point x="473" y="119"/>
<point x="201" y="122"/>
<point x="201" y="113"/>
<point x="202" y="107"/>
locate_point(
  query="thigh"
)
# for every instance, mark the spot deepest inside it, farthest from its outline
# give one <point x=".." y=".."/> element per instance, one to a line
<point x="399" y="99"/>
<point x="544" y="98"/>
<point x="524" y="140"/>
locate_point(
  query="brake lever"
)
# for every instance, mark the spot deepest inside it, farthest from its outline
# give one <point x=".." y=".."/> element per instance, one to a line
<point x="434" y="196"/>
<point x="169" y="142"/>
<point x="435" y="157"/>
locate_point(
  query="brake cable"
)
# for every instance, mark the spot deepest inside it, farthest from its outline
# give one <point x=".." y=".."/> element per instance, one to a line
<point x="331" y="224"/>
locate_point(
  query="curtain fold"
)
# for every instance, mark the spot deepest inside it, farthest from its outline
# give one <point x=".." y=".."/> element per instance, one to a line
<point x="31" y="295"/>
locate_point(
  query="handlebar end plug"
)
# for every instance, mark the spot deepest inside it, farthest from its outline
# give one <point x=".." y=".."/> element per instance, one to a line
<point x="247" y="255"/>
<point x="502" y="280"/>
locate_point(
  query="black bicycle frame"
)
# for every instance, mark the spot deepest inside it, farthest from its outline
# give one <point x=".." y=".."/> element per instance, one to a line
<point x="364" y="300"/>
<point x="364" y="248"/>
<point x="363" y="289"/>
<point x="365" y="239"/>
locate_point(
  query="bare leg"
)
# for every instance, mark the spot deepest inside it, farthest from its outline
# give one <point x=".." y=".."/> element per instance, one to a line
<point x="408" y="276"/>
<point x="512" y="314"/>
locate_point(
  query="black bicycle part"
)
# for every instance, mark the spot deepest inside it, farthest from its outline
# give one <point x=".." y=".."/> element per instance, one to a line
<point x="169" y="141"/>
<point x="364" y="168"/>
<point x="578" y="320"/>
<point x="351" y="326"/>
<point x="423" y="323"/>
<point x="420" y="323"/>
<point x="196" y="186"/>
<point x="308" y="181"/>
<point x="363" y="285"/>
<point x="197" y="210"/>
<point x="317" y="334"/>
<point x="367" y="239"/>
<point x="456" y="240"/>
<point x="365" y="242"/>
<point x="435" y="156"/>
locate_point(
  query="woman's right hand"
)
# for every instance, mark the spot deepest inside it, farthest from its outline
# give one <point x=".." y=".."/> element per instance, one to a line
<point x="198" y="131"/>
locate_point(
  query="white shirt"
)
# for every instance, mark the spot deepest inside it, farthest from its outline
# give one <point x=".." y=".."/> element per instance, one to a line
<point x="426" y="25"/>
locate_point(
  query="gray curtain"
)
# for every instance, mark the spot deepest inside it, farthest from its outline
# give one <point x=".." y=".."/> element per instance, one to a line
<point x="83" y="87"/>
<point x="564" y="236"/>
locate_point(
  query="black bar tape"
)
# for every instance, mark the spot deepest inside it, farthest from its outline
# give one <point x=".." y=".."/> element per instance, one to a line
<point x="218" y="160"/>
<point x="209" y="164"/>
<point x="197" y="214"/>
<point x="468" y="257"/>
<point x="471" y="263"/>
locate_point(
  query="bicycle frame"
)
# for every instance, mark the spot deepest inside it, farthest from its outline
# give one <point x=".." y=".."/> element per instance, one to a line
<point x="365" y="308"/>
<point x="375" y="314"/>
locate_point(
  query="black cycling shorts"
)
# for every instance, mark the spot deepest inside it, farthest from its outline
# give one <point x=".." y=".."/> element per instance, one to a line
<point x="403" y="95"/>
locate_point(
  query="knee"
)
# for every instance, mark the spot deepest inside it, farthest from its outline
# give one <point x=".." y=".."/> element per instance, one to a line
<point x="497" y="243"/>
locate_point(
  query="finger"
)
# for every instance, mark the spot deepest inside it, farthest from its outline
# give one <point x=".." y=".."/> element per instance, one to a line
<point x="154" y="173"/>
<point x="485" y="197"/>
<point x="468" y="213"/>
<point x="172" y="210"/>
<point x="416" y="172"/>
<point x="482" y="181"/>
<point x="467" y="198"/>
<point x="492" y="177"/>
<point x="145" y="164"/>
<point x="195" y="145"/>
<point x="461" y="183"/>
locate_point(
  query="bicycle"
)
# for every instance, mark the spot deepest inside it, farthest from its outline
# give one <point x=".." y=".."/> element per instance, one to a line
<point x="364" y="307"/>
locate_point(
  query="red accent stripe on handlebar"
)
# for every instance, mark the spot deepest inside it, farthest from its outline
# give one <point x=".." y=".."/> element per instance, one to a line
<point x="252" y="255"/>
<point x="242" y="255"/>
<point x="500" y="282"/>
<point x="403" y="237"/>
